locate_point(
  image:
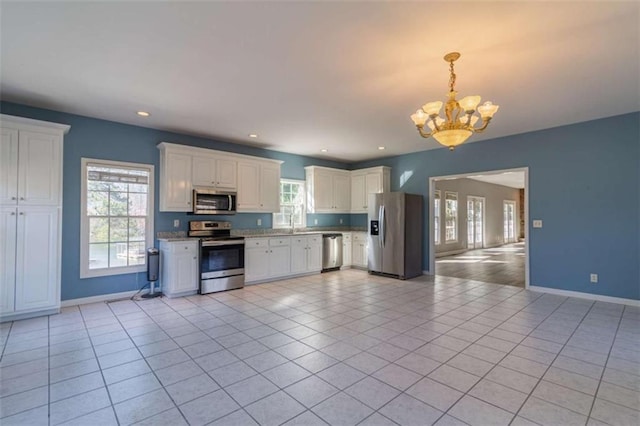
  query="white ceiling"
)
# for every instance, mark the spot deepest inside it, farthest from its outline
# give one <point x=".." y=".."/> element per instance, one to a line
<point x="511" y="179"/>
<point x="311" y="75"/>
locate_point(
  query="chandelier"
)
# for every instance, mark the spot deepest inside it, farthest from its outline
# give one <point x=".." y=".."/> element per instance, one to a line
<point x="459" y="122"/>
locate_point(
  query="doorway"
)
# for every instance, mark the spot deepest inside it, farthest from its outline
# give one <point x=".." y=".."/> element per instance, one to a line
<point x="475" y="222"/>
<point x="494" y="247"/>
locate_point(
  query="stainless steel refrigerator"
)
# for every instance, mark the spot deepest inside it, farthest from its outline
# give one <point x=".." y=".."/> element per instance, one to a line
<point x="395" y="234"/>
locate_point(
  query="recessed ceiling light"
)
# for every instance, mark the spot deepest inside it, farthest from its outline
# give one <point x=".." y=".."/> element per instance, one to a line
<point x="253" y="135"/>
<point x="143" y="113"/>
<point x="324" y="150"/>
<point x="381" y="148"/>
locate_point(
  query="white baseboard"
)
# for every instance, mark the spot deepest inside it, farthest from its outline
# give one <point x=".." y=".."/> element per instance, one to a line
<point x="100" y="298"/>
<point x="581" y="295"/>
<point x="26" y="315"/>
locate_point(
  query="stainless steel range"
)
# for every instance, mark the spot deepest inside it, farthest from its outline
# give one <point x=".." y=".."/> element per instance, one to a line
<point x="221" y="256"/>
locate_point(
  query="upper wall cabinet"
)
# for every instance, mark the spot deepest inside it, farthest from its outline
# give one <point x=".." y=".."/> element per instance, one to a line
<point x="256" y="180"/>
<point x="328" y="190"/>
<point x="30" y="172"/>
<point x="258" y="186"/>
<point x="218" y="172"/>
<point x="368" y="181"/>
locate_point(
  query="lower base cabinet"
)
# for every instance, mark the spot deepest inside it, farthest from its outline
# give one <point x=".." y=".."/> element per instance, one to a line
<point x="179" y="271"/>
<point x="359" y="250"/>
<point x="272" y="258"/>
<point x="267" y="258"/>
<point x="346" y="249"/>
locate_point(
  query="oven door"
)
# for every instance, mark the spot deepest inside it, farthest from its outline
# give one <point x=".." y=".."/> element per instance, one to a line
<point x="221" y="265"/>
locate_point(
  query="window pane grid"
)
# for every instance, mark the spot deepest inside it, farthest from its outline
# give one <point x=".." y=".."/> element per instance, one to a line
<point x="291" y="205"/>
<point x="117" y="211"/>
<point x="436" y="217"/>
<point x="451" y="216"/>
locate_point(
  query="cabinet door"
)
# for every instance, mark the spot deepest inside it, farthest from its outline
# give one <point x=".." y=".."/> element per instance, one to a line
<point x="256" y="265"/>
<point x="346" y="250"/>
<point x="358" y="193"/>
<point x="227" y="174"/>
<point x="37" y="258"/>
<point x="373" y="185"/>
<point x="185" y="274"/>
<point x="248" y="186"/>
<point x="279" y="261"/>
<point x="298" y="255"/>
<point x="314" y="255"/>
<point x="39" y="164"/>
<point x="8" y="166"/>
<point x="176" y="193"/>
<point x="270" y="188"/>
<point x="322" y="191"/>
<point x="341" y="193"/>
<point x="7" y="258"/>
<point x="204" y="171"/>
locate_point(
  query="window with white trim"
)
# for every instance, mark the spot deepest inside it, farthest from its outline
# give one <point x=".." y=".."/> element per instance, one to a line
<point x="451" y="217"/>
<point x="116" y="217"/>
<point x="292" y="205"/>
<point x="436" y="216"/>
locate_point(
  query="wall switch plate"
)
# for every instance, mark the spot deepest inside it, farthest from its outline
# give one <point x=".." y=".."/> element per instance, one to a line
<point x="340" y="221"/>
<point x="315" y="221"/>
<point x="259" y="222"/>
<point x="594" y="278"/>
<point x="176" y="223"/>
<point x="537" y="223"/>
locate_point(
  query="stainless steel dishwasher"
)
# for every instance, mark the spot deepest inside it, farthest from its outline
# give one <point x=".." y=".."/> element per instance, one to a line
<point x="331" y="252"/>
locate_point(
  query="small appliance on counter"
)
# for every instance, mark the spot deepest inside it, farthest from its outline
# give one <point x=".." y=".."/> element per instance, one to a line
<point x="331" y="252"/>
<point x="395" y="234"/>
<point x="221" y="256"/>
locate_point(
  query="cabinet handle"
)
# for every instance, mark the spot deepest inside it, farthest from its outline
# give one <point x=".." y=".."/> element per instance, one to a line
<point x="13" y="198"/>
<point x="195" y="257"/>
<point x="22" y="198"/>
<point x="21" y="213"/>
<point x="13" y="213"/>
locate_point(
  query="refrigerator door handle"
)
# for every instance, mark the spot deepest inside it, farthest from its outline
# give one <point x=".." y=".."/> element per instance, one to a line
<point x="383" y="226"/>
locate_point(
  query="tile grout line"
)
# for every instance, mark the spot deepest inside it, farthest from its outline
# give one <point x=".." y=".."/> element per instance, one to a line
<point x="604" y="367"/>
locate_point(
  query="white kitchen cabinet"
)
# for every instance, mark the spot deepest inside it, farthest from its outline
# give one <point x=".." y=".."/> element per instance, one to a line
<point x="346" y="249"/>
<point x="179" y="267"/>
<point x="30" y="211"/>
<point x="359" y="250"/>
<point x="306" y="254"/>
<point x="328" y="190"/>
<point x="31" y="173"/>
<point x="37" y="243"/>
<point x="216" y="172"/>
<point x="267" y="258"/>
<point x="175" y="181"/>
<point x="258" y="186"/>
<point x="368" y="181"/>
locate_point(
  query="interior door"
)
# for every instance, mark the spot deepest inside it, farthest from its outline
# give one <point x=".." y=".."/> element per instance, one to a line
<point x="475" y="222"/>
<point x="509" y="221"/>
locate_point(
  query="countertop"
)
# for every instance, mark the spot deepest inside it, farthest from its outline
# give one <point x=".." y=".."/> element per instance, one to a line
<point x="177" y="236"/>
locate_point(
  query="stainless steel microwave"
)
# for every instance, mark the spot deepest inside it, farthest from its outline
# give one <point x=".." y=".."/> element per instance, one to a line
<point x="210" y="201"/>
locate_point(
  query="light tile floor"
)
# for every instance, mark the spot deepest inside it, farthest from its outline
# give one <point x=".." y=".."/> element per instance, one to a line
<point x="342" y="348"/>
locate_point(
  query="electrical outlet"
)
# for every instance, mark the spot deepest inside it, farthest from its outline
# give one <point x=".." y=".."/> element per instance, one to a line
<point x="340" y="221"/>
<point x="537" y="223"/>
<point x="176" y="223"/>
<point x="259" y="222"/>
<point x="315" y="221"/>
<point x="594" y="278"/>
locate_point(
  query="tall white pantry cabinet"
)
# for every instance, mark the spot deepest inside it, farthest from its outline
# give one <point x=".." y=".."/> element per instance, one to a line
<point x="30" y="216"/>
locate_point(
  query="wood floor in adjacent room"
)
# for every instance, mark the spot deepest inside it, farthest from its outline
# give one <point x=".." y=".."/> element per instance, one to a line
<point x="499" y="265"/>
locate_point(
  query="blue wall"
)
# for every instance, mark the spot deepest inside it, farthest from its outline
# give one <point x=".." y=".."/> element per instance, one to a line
<point x="93" y="138"/>
<point x="584" y="183"/>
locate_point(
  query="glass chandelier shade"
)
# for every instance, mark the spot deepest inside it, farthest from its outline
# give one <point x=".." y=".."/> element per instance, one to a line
<point x="460" y="116"/>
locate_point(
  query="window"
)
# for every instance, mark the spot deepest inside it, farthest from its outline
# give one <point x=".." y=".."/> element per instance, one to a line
<point x="451" y="216"/>
<point x="291" y="205"/>
<point x="509" y="208"/>
<point x="436" y="216"/>
<point x="117" y="217"/>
